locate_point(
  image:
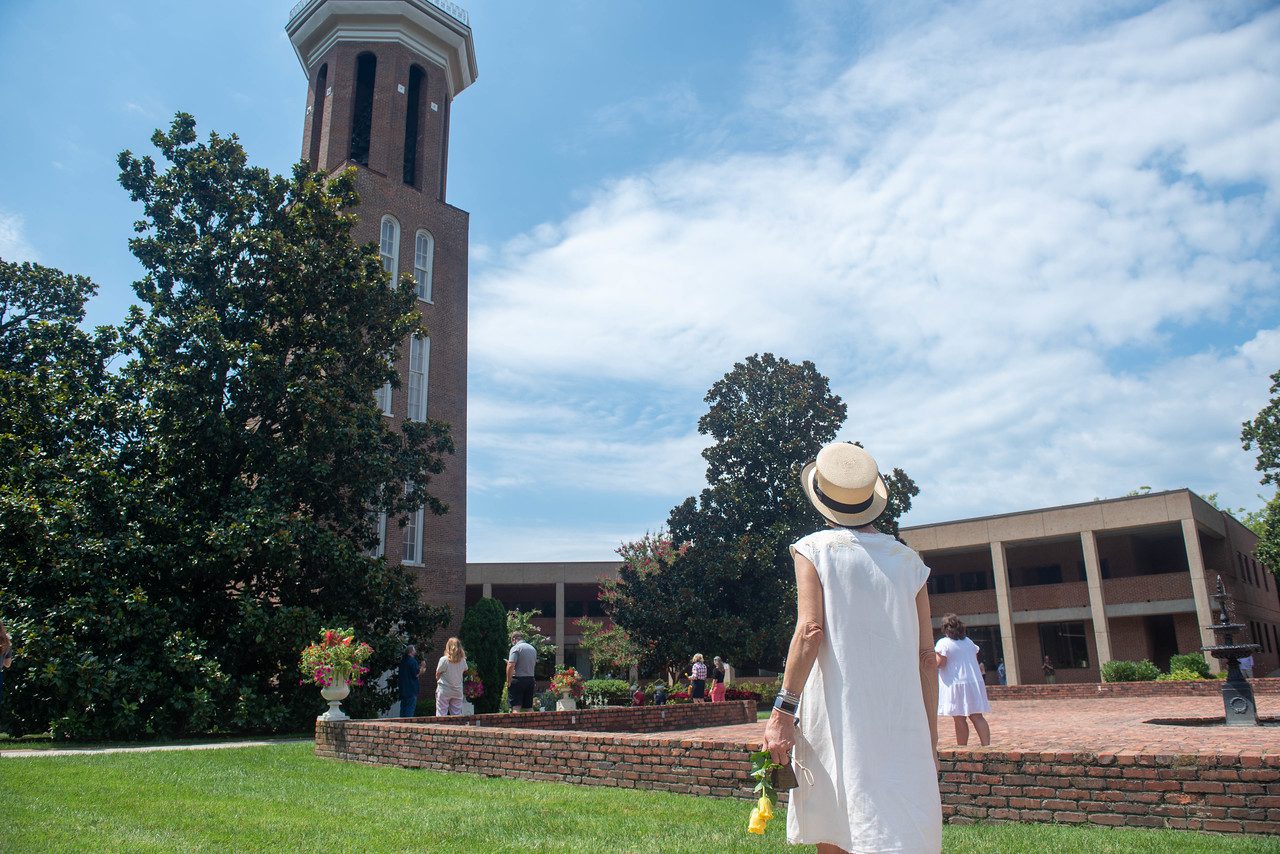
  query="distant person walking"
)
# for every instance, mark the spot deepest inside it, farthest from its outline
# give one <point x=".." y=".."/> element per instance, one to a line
<point x="450" y="670"/>
<point x="717" y="680"/>
<point x="1246" y="667"/>
<point x="698" y="679"/>
<point x="660" y="695"/>
<point x="1001" y="676"/>
<point x="1050" y="673"/>
<point x="520" y="664"/>
<point x="410" y="671"/>
<point x="961" y="691"/>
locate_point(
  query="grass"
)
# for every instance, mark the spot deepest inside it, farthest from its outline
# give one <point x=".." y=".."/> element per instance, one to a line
<point x="284" y="799"/>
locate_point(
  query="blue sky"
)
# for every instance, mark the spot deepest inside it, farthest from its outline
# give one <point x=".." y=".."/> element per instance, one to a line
<point x="1035" y="248"/>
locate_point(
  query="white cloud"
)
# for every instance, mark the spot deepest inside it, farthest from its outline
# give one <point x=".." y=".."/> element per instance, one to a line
<point x="1031" y="251"/>
<point x="14" y="245"/>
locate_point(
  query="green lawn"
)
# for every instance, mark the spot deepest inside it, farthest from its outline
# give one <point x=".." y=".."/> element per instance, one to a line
<point x="282" y="799"/>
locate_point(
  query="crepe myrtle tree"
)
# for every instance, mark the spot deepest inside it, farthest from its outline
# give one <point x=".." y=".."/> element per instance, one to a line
<point x="1262" y="434"/>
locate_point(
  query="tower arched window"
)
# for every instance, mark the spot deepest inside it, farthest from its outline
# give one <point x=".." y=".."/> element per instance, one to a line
<point x="362" y="108"/>
<point x="424" y="254"/>
<point x="413" y="123"/>
<point x="389" y="246"/>
<point x="317" y="114"/>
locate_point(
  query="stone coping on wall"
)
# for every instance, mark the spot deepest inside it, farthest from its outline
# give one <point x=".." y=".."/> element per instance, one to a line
<point x="606" y="719"/>
<point x="1086" y="690"/>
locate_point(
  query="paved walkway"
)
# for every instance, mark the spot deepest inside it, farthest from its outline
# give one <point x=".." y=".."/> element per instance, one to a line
<point x="1088" y="726"/>
<point x="147" y="748"/>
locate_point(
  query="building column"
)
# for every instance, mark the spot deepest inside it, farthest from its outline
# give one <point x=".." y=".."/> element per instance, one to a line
<point x="486" y="590"/>
<point x="1097" y="602"/>
<point x="1200" y="588"/>
<point x="559" y="624"/>
<point x="1008" y="640"/>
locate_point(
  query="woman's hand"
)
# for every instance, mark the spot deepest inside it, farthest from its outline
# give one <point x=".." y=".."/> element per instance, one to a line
<point x="780" y="736"/>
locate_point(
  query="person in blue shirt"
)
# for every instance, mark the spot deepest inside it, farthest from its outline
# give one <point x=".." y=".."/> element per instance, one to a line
<point x="1004" y="680"/>
<point x="410" y="670"/>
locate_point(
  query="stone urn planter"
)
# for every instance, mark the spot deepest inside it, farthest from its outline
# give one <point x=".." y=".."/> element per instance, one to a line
<point x="468" y="707"/>
<point x="335" y="694"/>
<point x="566" y="703"/>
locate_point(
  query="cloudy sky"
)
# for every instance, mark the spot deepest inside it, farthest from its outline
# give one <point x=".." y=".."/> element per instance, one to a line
<point x="1034" y="248"/>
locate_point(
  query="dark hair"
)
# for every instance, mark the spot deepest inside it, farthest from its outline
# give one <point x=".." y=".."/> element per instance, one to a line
<point x="953" y="626"/>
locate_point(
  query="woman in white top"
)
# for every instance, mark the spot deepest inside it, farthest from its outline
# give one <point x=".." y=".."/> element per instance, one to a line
<point x="449" y="673"/>
<point x="961" y="690"/>
<point x="862" y="654"/>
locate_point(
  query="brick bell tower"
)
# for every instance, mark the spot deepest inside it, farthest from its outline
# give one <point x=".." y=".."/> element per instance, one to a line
<point x="382" y="76"/>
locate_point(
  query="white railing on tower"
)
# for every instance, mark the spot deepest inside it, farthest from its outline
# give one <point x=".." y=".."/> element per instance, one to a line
<point x="453" y="10"/>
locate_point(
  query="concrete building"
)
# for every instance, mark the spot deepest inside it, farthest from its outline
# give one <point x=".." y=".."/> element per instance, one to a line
<point x="1126" y="578"/>
<point x="563" y="592"/>
<point x="382" y="76"/>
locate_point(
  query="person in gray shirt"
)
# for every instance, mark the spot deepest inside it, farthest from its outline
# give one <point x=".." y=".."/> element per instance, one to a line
<point x="520" y="662"/>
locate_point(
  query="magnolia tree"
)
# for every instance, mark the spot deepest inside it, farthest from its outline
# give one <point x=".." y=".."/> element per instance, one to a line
<point x="177" y="523"/>
<point x="721" y="580"/>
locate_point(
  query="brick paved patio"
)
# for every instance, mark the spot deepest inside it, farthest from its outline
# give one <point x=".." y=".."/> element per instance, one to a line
<point x="1094" y="726"/>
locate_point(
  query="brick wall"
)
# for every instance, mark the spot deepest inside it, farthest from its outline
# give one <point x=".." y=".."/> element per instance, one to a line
<point x="1199" y="688"/>
<point x="1222" y="792"/>
<point x="522" y="746"/>
<point x="1192" y="792"/>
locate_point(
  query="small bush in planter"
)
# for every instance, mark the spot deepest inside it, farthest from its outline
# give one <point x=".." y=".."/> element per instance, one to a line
<point x="613" y="690"/>
<point x="1192" y="661"/>
<point x="1130" y="671"/>
<point x="1179" y="675"/>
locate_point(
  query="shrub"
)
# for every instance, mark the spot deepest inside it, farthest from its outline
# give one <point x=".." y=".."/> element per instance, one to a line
<point x="1129" y="671"/>
<point x="1179" y="675"/>
<point x="612" y="690"/>
<point x="1192" y="661"/>
<point x="738" y="694"/>
<point x="484" y="635"/>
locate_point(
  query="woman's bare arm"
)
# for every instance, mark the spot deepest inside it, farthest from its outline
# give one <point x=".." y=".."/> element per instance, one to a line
<point x="779" y="732"/>
<point x="928" y="665"/>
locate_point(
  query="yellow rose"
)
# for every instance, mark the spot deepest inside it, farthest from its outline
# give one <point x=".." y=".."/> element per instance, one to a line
<point x="756" y="824"/>
<point x="765" y="808"/>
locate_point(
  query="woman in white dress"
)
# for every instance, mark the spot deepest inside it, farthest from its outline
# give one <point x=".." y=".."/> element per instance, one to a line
<point x="861" y="674"/>
<point x="962" y="693"/>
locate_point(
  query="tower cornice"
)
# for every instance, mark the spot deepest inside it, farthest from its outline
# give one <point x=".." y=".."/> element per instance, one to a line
<point x="437" y="29"/>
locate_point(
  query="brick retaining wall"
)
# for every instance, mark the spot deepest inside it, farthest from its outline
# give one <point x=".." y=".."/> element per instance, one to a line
<point x="1224" y="793"/>
<point x="525" y="746"/>
<point x="1231" y="791"/>
<point x="1086" y="690"/>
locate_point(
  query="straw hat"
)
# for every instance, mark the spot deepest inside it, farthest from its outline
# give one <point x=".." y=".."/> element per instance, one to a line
<point x="844" y="485"/>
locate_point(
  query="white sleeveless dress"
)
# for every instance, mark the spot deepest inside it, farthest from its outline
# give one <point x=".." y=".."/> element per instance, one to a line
<point x="863" y="755"/>
<point x="961" y="691"/>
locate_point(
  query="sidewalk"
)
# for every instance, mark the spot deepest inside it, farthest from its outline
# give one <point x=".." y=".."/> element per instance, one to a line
<point x="148" y="748"/>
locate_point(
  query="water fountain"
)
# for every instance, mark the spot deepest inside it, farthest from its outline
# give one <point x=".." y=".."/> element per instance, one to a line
<point x="1237" y="696"/>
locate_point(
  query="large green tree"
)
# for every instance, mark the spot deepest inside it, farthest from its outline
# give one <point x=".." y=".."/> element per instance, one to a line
<point x="227" y="516"/>
<point x="1263" y="434"/>
<point x="730" y="590"/>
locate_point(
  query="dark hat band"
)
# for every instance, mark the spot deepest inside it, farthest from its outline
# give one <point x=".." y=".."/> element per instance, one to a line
<point x="838" y="506"/>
